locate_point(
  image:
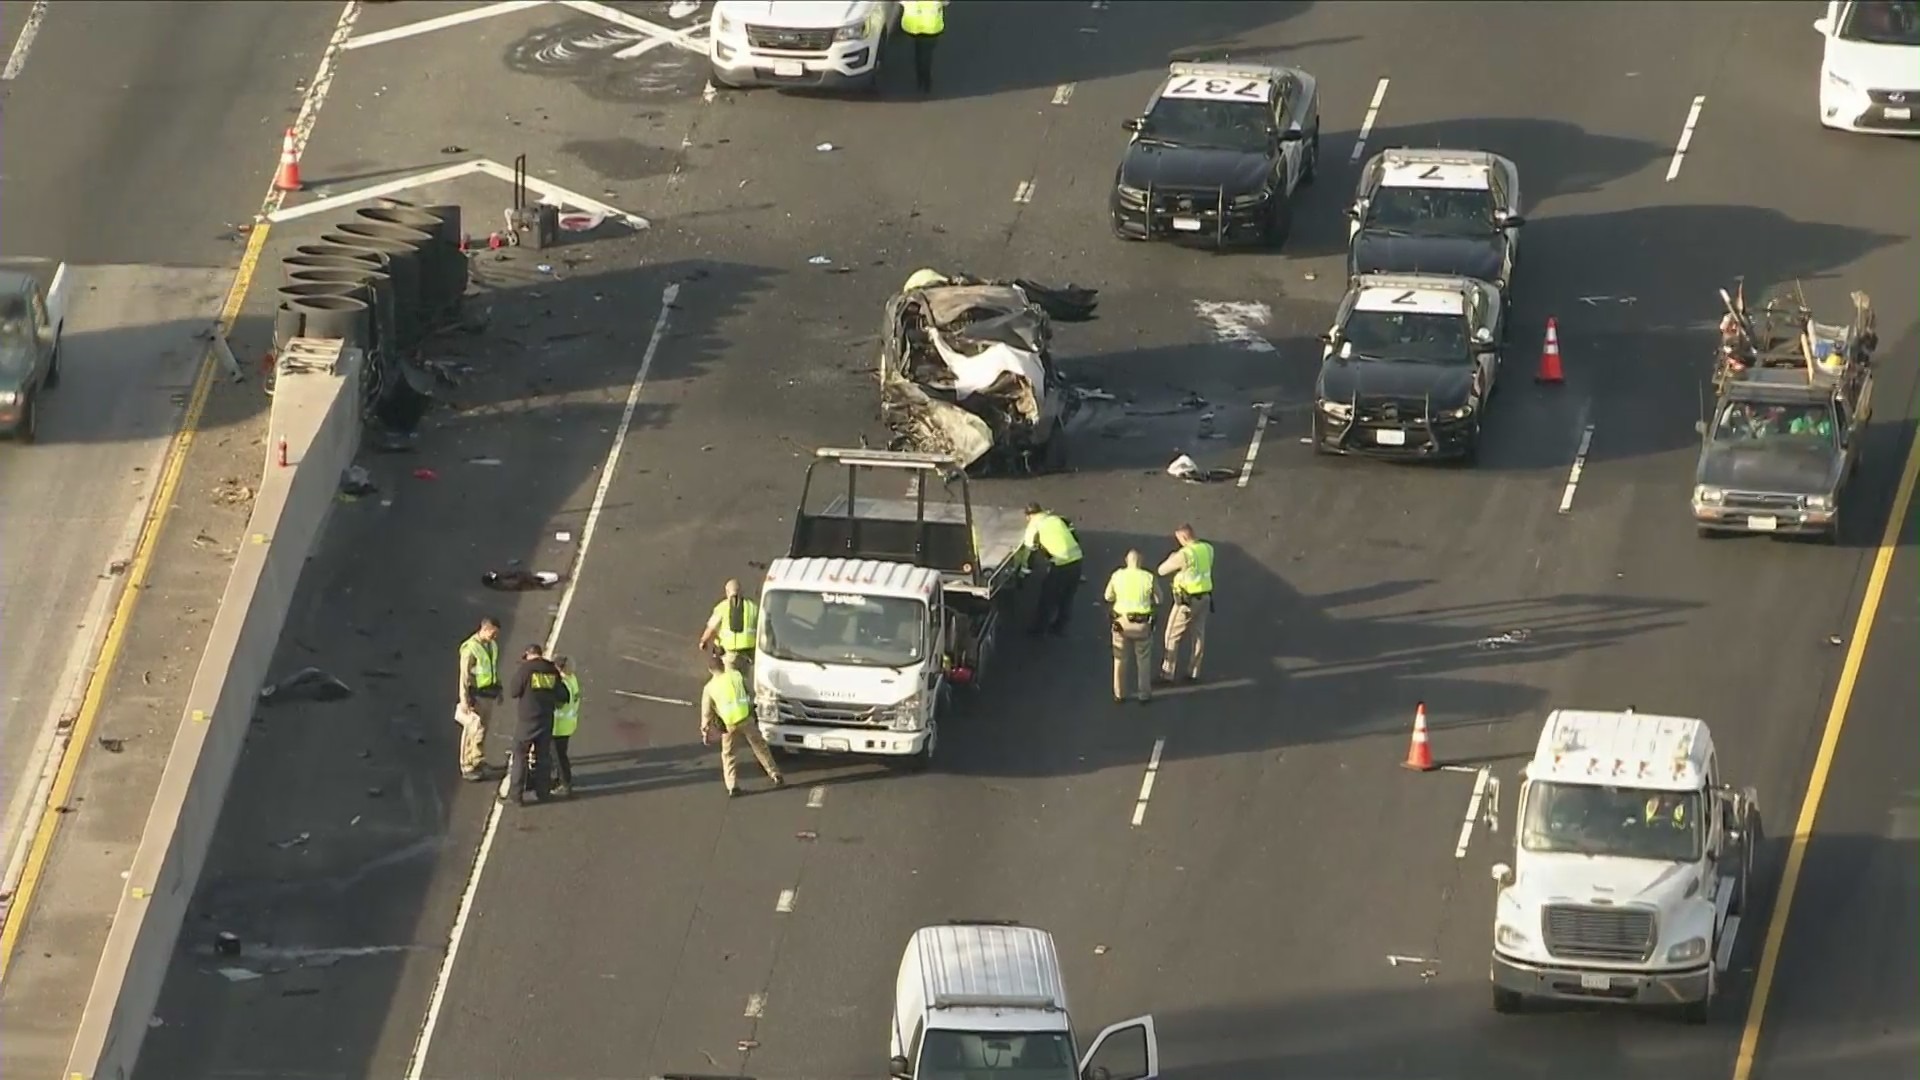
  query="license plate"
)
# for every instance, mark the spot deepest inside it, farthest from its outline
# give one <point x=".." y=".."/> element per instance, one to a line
<point x="1390" y="438"/>
<point x="1186" y="224"/>
<point x="1763" y="524"/>
<point x="1900" y="114"/>
<point x="840" y="745"/>
<point x="811" y="742"/>
<point x="1595" y="982"/>
<point x="789" y="69"/>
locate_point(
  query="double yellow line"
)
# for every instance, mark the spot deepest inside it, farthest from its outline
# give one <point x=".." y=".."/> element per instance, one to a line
<point x="116" y="636"/>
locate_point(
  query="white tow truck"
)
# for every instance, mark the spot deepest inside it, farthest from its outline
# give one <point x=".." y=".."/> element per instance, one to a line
<point x="1632" y="867"/>
<point x="883" y="607"/>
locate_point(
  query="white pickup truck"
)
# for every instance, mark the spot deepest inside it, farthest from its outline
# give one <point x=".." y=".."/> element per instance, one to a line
<point x="1632" y="866"/>
<point x="33" y="315"/>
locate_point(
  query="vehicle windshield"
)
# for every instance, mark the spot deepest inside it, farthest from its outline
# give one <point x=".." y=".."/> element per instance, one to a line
<point x="1397" y="335"/>
<point x="1750" y="423"/>
<point x="996" y="1055"/>
<point x="1882" y="22"/>
<point x="844" y="628"/>
<point x="1216" y="125"/>
<point x="1582" y="819"/>
<point x="1432" y="211"/>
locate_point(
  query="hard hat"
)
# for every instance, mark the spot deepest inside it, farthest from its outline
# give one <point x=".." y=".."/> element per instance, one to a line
<point x="923" y="277"/>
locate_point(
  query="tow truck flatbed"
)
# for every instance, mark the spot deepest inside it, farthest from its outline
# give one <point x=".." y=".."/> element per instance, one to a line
<point x="997" y="536"/>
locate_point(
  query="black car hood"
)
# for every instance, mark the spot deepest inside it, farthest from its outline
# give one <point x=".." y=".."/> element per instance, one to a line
<point x="1448" y="384"/>
<point x="1779" y="470"/>
<point x="1376" y="252"/>
<point x="1151" y="164"/>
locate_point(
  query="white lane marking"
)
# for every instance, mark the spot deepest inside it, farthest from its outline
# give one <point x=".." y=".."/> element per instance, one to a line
<point x="1579" y="466"/>
<point x="554" y="193"/>
<point x="784" y="905"/>
<point x="756" y="1006"/>
<point x="375" y="191"/>
<point x="443" y="22"/>
<point x="1233" y="322"/>
<point x="1146" y="783"/>
<point x="417" y="1063"/>
<point x="1253" y="448"/>
<point x="1686" y="137"/>
<point x="1473" y="813"/>
<point x="17" y="59"/>
<point x="637" y="695"/>
<point x="680" y="38"/>
<point x="1063" y="93"/>
<point x="1023" y="193"/>
<point x="1468" y="769"/>
<point x="316" y="96"/>
<point x="1366" y="125"/>
<point x="641" y="49"/>
<point x="817" y="796"/>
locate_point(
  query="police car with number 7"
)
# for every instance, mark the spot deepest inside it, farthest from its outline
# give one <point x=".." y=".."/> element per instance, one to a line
<point x="1217" y="155"/>
<point x="1434" y="211"/>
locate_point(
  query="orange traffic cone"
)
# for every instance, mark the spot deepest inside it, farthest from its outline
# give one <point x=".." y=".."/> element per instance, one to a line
<point x="1550" y="356"/>
<point x="288" y="178"/>
<point x="1419" y="752"/>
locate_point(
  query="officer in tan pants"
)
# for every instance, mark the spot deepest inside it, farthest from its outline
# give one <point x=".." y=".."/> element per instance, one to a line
<point x="728" y="704"/>
<point x="1133" y="593"/>
<point x="1191" y="567"/>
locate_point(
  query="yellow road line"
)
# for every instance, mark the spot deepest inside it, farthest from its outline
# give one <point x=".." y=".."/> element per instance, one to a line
<point x="1743" y="1063"/>
<point x="115" y="638"/>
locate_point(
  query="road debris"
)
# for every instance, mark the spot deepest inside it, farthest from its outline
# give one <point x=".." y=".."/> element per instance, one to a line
<point x="307" y="684"/>
<point x="111" y="745"/>
<point x="293" y="841"/>
<point x="520" y="580"/>
<point x="425" y="474"/>
<point x="356" y="482"/>
<point x="1189" y="470"/>
<point x="488" y="461"/>
<point x="1501" y="641"/>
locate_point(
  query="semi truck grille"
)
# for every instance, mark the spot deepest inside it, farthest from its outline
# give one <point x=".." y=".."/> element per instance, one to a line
<point x="1582" y="932"/>
<point x="814" y="712"/>
<point x="785" y="40"/>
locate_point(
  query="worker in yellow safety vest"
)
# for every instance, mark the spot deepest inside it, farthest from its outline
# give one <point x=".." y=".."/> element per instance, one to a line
<point x="1191" y="566"/>
<point x="923" y="21"/>
<point x="476" y="692"/>
<point x="566" y="721"/>
<point x="727" y="703"/>
<point x="1133" y="594"/>
<point x="733" y="627"/>
<point x="1049" y="534"/>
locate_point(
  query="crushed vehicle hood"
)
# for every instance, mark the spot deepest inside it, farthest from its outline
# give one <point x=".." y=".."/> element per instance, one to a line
<point x="1343" y="380"/>
<point x="966" y="366"/>
<point x="1783" y="470"/>
<point x="1478" y="257"/>
<point x="1151" y="164"/>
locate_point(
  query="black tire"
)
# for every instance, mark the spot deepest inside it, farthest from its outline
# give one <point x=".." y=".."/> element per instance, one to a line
<point x="1471" y="456"/>
<point x="923" y="761"/>
<point x="1279" y="221"/>
<point x="29" y="430"/>
<point x="1697" y="1012"/>
<point x="1706" y="533"/>
<point x="1749" y="839"/>
<point x="1507" y="1002"/>
<point x="713" y="76"/>
<point x="1122" y="234"/>
<point x="1312" y="167"/>
<point x="53" y="362"/>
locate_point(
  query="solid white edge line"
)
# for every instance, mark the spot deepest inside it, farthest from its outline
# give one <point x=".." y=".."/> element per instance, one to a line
<point x="443" y="22"/>
<point x="634" y="51"/>
<point x="681" y="38"/>
<point x="1146" y="782"/>
<point x="1473" y="812"/>
<point x="1373" y="113"/>
<point x="1579" y="466"/>
<point x="442" y="980"/>
<point x="1686" y="136"/>
<point x="30" y="29"/>
<point x="1253" y="448"/>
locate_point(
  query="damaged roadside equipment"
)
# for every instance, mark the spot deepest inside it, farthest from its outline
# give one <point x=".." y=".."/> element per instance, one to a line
<point x="967" y="370"/>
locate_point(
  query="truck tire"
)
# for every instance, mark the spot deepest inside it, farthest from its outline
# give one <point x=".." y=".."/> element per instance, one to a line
<point x="1697" y="1012"/>
<point x="1749" y="840"/>
<point x="29" y="429"/>
<point x="53" y="362"/>
<point x="1507" y="1002"/>
<point x="923" y="760"/>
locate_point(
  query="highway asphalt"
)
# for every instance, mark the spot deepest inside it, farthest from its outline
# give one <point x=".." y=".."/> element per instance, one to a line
<point x="134" y="134"/>
<point x="1283" y="858"/>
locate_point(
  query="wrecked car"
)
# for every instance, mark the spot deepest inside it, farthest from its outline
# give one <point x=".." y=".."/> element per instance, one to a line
<point x="967" y="369"/>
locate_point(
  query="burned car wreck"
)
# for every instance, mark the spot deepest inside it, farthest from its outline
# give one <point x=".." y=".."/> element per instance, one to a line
<point x="967" y="369"/>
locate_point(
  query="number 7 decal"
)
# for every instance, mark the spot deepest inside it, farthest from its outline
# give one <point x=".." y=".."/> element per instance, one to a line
<point x="1432" y="173"/>
<point x="1408" y="297"/>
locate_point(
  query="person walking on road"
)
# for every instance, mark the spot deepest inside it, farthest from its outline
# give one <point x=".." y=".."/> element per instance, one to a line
<point x="1191" y="566"/>
<point x="733" y="628"/>
<point x="1051" y="535"/>
<point x="566" y="721"/>
<point x="1133" y="593"/>
<point x="923" y="21"/>
<point x="726" y="702"/>
<point x="478" y="689"/>
<point x="539" y="691"/>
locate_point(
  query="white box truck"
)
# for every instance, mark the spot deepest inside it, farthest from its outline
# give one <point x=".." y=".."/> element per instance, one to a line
<point x="1631" y="870"/>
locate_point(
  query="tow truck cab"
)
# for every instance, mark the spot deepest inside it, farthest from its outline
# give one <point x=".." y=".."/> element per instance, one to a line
<point x="1631" y="866"/>
<point x="988" y="996"/>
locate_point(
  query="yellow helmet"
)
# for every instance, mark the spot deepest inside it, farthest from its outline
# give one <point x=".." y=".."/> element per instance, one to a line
<point x="922" y="278"/>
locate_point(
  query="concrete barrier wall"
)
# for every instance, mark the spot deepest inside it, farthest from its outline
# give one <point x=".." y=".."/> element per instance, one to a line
<point x="316" y="409"/>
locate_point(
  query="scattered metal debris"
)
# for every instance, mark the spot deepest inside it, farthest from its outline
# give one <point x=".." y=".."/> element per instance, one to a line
<point x="111" y="745"/>
<point x="1189" y="470"/>
<point x="307" y="684"/>
<point x="1501" y="641"/>
<point x="520" y="580"/>
<point x="820" y="260"/>
<point x="356" y="482"/>
<point x="293" y="841"/>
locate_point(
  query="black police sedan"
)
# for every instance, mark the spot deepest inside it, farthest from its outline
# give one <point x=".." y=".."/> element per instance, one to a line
<point x="1217" y="155"/>
<point x="1437" y="212"/>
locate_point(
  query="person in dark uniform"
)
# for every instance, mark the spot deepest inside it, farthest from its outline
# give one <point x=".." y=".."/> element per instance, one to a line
<point x="539" y="689"/>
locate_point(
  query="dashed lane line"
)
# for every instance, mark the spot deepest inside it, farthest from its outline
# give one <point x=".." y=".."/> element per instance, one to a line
<point x="1686" y="137"/>
<point x="1366" y="125"/>
<point x="1146" y="782"/>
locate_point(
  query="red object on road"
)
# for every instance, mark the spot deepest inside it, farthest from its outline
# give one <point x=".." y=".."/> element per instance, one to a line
<point x="283" y="451"/>
<point x="1550" y="356"/>
<point x="1419" y="751"/>
<point x="288" y="176"/>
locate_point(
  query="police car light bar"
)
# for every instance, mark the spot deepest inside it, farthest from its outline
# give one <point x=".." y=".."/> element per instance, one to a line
<point x="1406" y="155"/>
<point x="1218" y="71"/>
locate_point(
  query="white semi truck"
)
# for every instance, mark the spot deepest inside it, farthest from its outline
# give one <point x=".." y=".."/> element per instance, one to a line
<point x="1632" y="866"/>
<point x="884" y="607"/>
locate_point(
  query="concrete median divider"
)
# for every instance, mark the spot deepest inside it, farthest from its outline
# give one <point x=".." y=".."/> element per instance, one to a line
<point x="317" y="412"/>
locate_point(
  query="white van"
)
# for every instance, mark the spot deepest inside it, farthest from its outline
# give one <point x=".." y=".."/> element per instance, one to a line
<point x="987" y="996"/>
<point x="1870" y="69"/>
<point x="820" y="44"/>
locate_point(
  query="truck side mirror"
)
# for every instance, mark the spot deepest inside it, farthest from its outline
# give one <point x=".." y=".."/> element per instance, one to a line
<point x="1510" y="221"/>
<point x="1700" y="427"/>
<point x="899" y="1068"/>
<point x="1354" y="211"/>
<point x="1502" y="874"/>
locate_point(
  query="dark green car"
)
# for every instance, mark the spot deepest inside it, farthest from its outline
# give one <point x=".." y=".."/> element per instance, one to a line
<point x="32" y="316"/>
